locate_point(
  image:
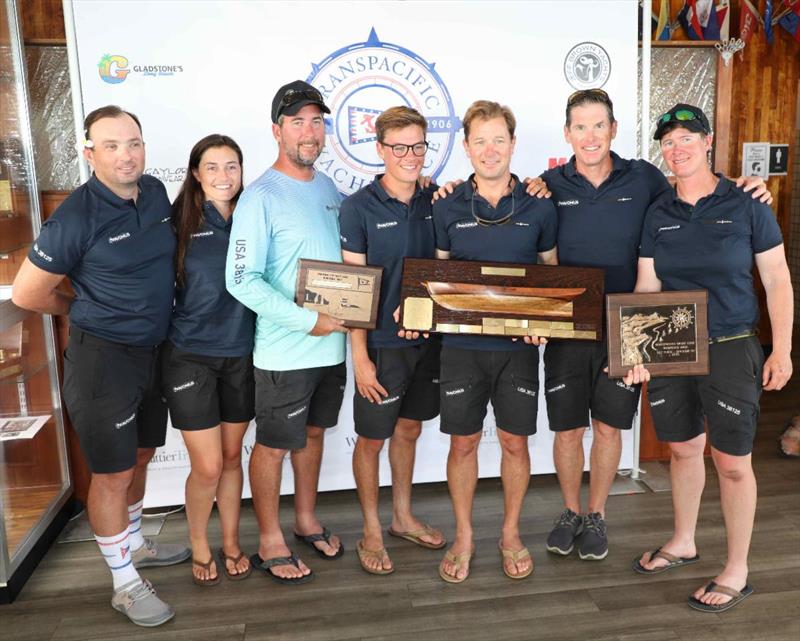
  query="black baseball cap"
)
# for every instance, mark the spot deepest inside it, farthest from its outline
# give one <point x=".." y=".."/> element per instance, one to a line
<point x="686" y="116"/>
<point x="292" y="97"/>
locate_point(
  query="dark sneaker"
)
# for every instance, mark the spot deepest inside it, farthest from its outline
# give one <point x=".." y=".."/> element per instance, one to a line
<point x="593" y="544"/>
<point x="562" y="537"/>
<point x="138" y="601"/>
<point x="155" y="554"/>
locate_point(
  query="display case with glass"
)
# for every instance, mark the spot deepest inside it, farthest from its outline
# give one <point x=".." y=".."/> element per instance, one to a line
<point x="34" y="476"/>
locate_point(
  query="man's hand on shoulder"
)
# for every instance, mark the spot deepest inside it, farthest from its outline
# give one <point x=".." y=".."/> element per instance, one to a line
<point x="536" y="187"/>
<point x="758" y="187"/>
<point x="326" y="325"/>
<point x="445" y="190"/>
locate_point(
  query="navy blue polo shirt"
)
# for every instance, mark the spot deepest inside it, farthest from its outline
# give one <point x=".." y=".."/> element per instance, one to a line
<point x="530" y="231"/>
<point x="710" y="246"/>
<point x="119" y="256"/>
<point x="371" y="222"/>
<point x="601" y="226"/>
<point x="207" y="320"/>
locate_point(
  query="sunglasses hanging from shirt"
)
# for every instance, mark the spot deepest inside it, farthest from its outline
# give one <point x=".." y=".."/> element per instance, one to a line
<point x="488" y="222"/>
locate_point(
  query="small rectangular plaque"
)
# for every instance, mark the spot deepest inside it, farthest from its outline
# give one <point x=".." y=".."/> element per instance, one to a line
<point x="347" y="292"/>
<point x="667" y="332"/>
<point x="502" y="299"/>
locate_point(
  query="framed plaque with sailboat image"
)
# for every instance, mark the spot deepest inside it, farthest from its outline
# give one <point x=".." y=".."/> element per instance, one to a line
<point x="502" y="299"/>
<point x="347" y="292"/>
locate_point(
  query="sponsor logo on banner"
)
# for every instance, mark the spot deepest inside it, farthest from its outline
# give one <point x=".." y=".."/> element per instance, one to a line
<point x="587" y="66"/>
<point x="361" y="80"/>
<point x="114" y="68"/>
<point x="167" y="174"/>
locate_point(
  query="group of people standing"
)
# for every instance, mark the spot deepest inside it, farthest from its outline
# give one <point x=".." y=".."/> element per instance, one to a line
<point x="191" y="307"/>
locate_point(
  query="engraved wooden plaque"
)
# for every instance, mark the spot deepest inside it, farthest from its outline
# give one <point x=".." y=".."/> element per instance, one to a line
<point x="667" y="332"/>
<point x="347" y="292"/>
<point x="502" y="299"/>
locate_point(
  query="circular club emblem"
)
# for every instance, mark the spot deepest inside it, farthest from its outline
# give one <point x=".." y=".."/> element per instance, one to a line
<point x="359" y="82"/>
<point x="587" y="66"/>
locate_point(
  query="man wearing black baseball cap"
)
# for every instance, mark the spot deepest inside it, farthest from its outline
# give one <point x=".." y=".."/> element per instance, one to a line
<point x="292" y="97"/>
<point x="290" y="212"/>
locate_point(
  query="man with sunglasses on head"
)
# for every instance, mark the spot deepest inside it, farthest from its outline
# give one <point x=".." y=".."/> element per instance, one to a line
<point x="397" y="373"/>
<point x="290" y="212"/>
<point x="601" y="201"/>
<point x="490" y="217"/>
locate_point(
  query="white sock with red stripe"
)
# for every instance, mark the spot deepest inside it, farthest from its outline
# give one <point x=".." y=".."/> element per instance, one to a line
<point x="135" y="525"/>
<point x="117" y="552"/>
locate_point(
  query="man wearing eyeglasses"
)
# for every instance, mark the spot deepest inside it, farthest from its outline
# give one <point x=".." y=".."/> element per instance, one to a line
<point x="490" y="217"/>
<point x="288" y="213"/>
<point x="601" y="201"/>
<point x="397" y="373"/>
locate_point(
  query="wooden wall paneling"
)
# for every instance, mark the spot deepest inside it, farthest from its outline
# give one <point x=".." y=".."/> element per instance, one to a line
<point x="43" y="22"/>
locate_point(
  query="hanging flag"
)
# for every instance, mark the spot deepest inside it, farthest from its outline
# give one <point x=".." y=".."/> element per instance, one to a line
<point x="711" y="29"/>
<point x="689" y="20"/>
<point x="768" y="22"/>
<point x="791" y="20"/>
<point x="663" y="26"/>
<point x="723" y="18"/>
<point x="749" y="20"/>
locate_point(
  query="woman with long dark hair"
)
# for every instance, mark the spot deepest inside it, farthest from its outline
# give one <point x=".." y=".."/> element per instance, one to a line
<point x="207" y="367"/>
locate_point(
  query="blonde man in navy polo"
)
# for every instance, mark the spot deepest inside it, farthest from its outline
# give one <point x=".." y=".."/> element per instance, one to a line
<point x="397" y="376"/>
<point x="113" y="238"/>
<point x="490" y="217"/>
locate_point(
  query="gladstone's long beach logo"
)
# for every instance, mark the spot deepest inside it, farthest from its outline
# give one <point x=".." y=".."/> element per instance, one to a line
<point x="360" y="81"/>
<point x="113" y="69"/>
<point x="587" y="66"/>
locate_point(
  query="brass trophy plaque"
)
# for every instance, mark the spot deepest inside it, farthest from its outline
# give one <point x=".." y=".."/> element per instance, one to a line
<point x="502" y="299"/>
<point x="347" y="292"/>
<point x="667" y="332"/>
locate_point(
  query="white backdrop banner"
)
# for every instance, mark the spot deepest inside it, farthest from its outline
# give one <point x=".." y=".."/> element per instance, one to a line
<point x="188" y="69"/>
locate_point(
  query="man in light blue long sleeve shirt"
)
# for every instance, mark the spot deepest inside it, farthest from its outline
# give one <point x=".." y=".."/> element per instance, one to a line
<point x="288" y="213"/>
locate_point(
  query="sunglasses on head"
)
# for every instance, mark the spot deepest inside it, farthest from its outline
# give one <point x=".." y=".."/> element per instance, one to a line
<point x="682" y="115"/>
<point x="296" y="95"/>
<point x="588" y="93"/>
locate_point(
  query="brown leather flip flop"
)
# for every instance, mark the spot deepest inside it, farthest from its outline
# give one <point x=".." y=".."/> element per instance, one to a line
<point x="233" y="576"/>
<point x="516" y="556"/>
<point x="364" y="554"/>
<point x="205" y="566"/>
<point x="415" y="536"/>
<point x="458" y="560"/>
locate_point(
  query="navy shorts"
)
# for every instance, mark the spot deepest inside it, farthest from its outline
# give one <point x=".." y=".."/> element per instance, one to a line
<point x="728" y="397"/>
<point x="411" y="377"/>
<point x="575" y="385"/>
<point x="471" y="378"/>
<point x="112" y="393"/>
<point x="288" y="401"/>
<point x="204" y="391"/>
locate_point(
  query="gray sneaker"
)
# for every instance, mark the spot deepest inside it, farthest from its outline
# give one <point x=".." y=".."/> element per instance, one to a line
<point x="152" y="554"/>
<point x="562" y="538"/>
<point x="137" y="600"/>
<point x="593" y="545"/>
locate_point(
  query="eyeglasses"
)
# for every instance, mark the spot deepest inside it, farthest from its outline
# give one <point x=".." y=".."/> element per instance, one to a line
<point x="587" y="93"/>
<point x="401" y="151"/>
<point x="682" y="115"/>
<point x="296" y="95"/>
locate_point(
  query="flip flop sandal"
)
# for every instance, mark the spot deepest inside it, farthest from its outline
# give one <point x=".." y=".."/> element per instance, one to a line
<point x="379" y="555"/>
<point x="516" y="557"/>
<point x="206" y="566"/>
<point x="265" y="564"/>
<point x="736" y="598"/>
<point x="458" y="560"/>
<point x="415" y="536"/>
<point x="325" y="535"/>
<point x="233" y="576"/>
<point x="672" y="562"/>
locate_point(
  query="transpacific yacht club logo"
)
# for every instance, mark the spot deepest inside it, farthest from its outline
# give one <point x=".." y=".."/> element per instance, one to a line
<point x="360" y="81"/>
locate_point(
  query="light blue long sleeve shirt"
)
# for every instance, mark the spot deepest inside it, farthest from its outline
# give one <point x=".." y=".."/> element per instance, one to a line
<point x="277" y="221"/>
